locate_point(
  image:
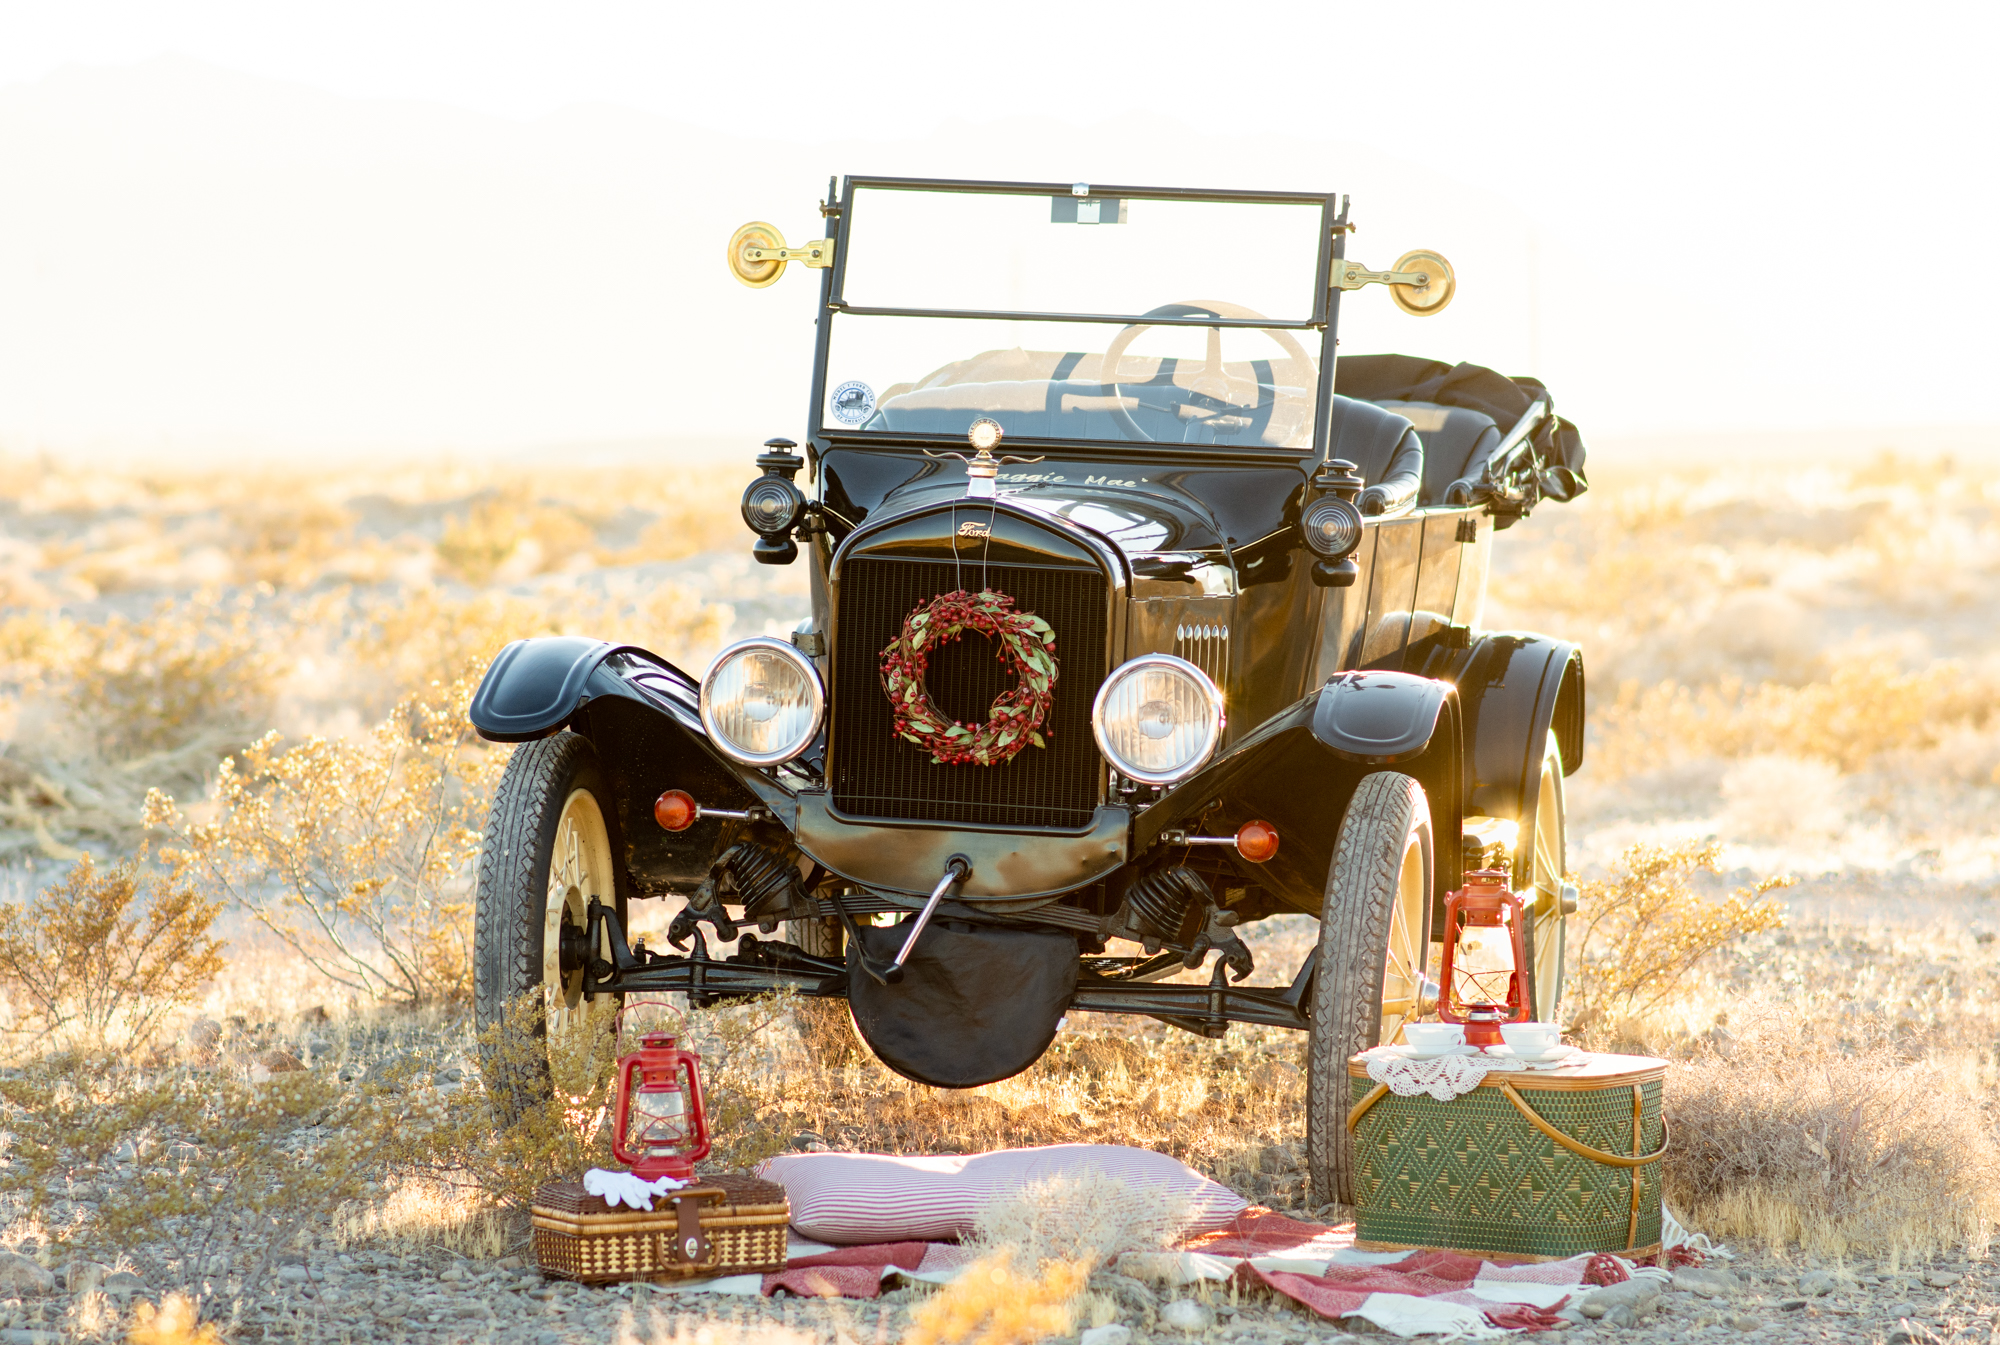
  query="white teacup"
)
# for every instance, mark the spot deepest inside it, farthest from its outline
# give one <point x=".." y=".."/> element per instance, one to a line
<point x="1433" y="1038"/>
<point x="1531" y="1038"/>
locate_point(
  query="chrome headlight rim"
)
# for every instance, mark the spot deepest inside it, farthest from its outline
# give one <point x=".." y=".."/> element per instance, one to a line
<point x="1351" y="517"/>
<point x="1212" y="724"/>
<point x="816" y="693"/>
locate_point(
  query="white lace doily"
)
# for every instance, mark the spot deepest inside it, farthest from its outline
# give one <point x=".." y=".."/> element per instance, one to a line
<point x="1445" y="1077"/>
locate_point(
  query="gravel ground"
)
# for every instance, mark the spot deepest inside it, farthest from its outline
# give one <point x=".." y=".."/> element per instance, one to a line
<point x="377" y="1296"/>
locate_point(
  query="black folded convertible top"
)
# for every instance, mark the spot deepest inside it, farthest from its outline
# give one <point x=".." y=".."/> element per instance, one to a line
<point x="1411" y="378"/>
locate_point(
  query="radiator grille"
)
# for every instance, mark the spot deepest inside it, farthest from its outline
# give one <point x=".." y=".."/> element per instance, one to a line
<point x="876" y="774"/>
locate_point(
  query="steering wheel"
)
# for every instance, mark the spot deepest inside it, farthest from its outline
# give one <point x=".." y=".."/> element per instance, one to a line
<point x="1210" y="381"/>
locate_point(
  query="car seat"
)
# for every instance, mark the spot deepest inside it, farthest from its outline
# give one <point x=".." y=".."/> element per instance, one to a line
<point x="1456" y="442"/>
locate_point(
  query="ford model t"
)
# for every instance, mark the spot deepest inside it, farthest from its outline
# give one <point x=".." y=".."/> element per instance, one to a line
<point x="1136" y="618"/>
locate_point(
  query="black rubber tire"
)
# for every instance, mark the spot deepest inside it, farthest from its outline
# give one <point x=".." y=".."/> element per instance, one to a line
<point x="826" y="1027"/>
<point x="1387" y="814"/>
<point x="1544" y="826"/>
<point x="511" y="908"/>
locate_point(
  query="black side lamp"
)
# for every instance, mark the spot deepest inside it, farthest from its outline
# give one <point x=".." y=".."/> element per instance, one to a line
<point x="1332" y="523"/>
<point x="773" y="503"/>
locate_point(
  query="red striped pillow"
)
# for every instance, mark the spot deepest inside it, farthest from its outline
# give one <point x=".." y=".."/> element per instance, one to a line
<point x="856" y="1198"/>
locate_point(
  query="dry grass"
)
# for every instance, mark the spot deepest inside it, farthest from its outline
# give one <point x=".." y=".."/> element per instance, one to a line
<point x="1792" y="674"/>
<point x="1795" y="1138"/>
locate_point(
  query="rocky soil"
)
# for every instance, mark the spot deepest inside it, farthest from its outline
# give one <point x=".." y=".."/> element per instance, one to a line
<point x="433" y="1296"/>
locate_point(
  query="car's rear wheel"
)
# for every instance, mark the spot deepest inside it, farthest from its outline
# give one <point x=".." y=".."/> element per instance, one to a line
<point x="1374" y="945"/>
<point x="825" y="1026"/>
<point x="550" y="848"/>
<point x="1541" y="875"/>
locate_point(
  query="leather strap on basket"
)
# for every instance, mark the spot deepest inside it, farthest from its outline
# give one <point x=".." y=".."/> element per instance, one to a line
<point x="1597" y="1155"/>
<point x="691" y="1245"/>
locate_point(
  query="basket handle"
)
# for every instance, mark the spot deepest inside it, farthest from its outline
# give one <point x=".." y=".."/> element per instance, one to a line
<point x="1584" y="1150"/>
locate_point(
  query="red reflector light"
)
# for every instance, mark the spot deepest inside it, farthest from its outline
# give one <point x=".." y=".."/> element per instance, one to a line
<point x="675" y="810"/>
<point x="1256" y="841"/>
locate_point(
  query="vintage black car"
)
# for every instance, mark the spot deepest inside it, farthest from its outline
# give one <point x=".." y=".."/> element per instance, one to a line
<point x="1136" y="617"/>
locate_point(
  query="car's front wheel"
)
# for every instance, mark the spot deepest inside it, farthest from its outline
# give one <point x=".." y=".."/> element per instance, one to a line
<point x="549" y="850"/>
<point x="1374" y="948"/>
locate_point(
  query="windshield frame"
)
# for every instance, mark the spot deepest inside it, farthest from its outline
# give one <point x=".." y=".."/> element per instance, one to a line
<point x="1324" y="317"/>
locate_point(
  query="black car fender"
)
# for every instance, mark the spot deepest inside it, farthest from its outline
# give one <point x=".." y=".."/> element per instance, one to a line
<point x="1299" y="769"/>
<point x="1516" y="686"/>
<point x="643" y="715"/>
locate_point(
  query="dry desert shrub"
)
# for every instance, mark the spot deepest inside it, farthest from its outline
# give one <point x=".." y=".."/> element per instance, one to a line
<point x="1002" y="1299"/>
<point x="107" y="951"/>
<point x="212" y="1175"/>
<point x="1864" y="710"/>
<point x="359" y="856"/>
<point x="1795" y="1138"/>
<point x="1643" y="930"/>
<point x="186" y="679"/>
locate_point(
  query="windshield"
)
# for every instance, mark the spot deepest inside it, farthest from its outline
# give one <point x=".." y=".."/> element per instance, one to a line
<point x="1122" y="320"/>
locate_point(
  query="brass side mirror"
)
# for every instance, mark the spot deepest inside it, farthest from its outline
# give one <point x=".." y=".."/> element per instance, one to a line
<point x="757" y="254"/>
<point x="1420" y="282"/>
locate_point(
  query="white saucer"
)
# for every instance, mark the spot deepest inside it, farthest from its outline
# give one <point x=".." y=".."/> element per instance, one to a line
<point x="1562" y="1052"/>
<point x="1412" y="1053"/>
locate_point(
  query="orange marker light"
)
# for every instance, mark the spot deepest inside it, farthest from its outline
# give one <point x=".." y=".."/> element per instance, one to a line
<point x="675" y="811"/>
<point x="1256" y="841"/>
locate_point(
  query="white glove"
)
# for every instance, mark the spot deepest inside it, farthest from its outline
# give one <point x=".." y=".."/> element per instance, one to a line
<point x="623" y="1188"/>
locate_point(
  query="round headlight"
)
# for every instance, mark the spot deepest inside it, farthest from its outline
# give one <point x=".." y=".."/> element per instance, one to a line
<point x="1157" y="719"/>
<point x="762" y="702"/>
<point x="1332" y="526"/>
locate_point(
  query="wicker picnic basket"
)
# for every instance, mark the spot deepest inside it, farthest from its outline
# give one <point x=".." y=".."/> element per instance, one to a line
<point x="727" y="1225"/>
<point x="1535" y="1166"/>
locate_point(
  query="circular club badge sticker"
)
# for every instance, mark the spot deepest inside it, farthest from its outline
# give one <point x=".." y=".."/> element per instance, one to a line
<point x="853" y="402"/>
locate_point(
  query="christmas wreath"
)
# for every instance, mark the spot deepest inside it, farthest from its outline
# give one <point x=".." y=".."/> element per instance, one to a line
<point x="1025" y="643"/>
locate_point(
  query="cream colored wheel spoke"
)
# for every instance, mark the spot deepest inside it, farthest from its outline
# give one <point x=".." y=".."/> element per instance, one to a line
<point x="579" y="869"/>
<point x="1403" y="971"/>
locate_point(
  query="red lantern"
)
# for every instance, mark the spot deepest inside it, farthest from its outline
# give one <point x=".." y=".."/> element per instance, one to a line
<point x="1484" y="982"/>
<point x="660" y="1129"/>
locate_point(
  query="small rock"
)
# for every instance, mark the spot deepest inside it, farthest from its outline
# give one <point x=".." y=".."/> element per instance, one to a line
<point x="452" y="1274"/>
<point x="1631" y="1293"/>
<point x="274" y="1062"/>
<point x="20" y="1276"/>
<point x="1115" y="1334"/>
<point x="202" y="1038"/>
<point x="1132" y="1295"/>
<point x="123" y="1284"/>
<point x="1592" y="1310"/>
<point x="1941" y="1279"/>
<point x="1744" y="1321"/>
<point x="84" y="1277"/>
<point x="1184" y="1314"/>
<point x="24" y="1335"/>
<point x="510" y="1263"/>
<point x="1622" y="1315"/>
<point x="1913" y="1333"/>
<point x="1901" y="1308"/>
<point x="293" y="1274"/>
<point x="1790" y="1304"/>
<point x="1706" y="1283"/>
<point x="1817" y="1282"/>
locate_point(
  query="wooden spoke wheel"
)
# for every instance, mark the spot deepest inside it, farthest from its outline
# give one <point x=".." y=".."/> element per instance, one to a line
<point x="1374" y="944"/>
<point x="550" y="849"/>
<point x="1541" y="875"/>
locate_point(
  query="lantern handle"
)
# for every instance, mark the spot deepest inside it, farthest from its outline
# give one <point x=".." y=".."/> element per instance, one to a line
<point x="618" y="1018"/>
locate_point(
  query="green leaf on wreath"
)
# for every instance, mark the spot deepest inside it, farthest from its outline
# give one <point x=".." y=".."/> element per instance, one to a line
<point x="1037" y="739"/>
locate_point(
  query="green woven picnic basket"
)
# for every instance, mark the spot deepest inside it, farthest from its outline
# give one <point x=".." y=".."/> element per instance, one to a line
<point x="1539" y="1165"/>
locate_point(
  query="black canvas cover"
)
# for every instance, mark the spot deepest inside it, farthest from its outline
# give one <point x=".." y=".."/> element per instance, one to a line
<point x="1411" y="378"/>
<point x="975" y="1003"/>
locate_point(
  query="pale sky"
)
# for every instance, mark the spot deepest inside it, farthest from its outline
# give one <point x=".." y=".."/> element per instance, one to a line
<point x="270" y="228"/>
